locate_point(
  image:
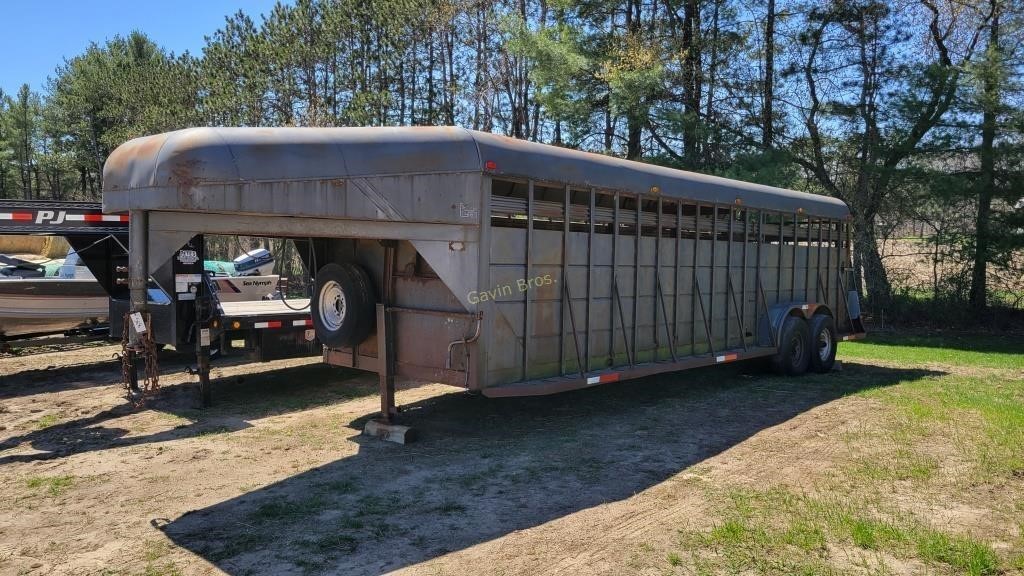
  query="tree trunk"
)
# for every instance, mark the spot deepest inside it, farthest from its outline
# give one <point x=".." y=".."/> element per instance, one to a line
<point x="990" y="99"/>
<point x="634" y="151"/>
<point x="691" y="78"/>
<point x="609" y="129"/>
<point x="767" y="130"/>
<point x="711" y="146"/>
<point x="875" y="279"/>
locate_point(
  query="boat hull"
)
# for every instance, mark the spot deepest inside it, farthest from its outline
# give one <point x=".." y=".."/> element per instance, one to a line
<point x="49" y="305"/>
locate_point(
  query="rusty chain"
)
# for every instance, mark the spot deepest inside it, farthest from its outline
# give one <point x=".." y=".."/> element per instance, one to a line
<point x="146" y="349"/>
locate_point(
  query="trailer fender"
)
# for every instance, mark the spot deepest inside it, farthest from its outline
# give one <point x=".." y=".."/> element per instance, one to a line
<point x="770" y="324"/>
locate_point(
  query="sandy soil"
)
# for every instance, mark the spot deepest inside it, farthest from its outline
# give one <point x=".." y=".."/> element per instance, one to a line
<point x="275" y="478"/>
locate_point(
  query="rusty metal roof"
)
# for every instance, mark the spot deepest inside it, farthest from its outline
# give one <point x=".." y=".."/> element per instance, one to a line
<point x="228" y="159"/>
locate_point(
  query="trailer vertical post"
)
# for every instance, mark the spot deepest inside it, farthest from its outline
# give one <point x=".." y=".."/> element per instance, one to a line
<point x="693" y="284"/>
<point x="828" y="266"/>
<point x="590" y="275"/>
<point x="728" y="277"/>
<point x="615" y="282"/>
<point x="636" y="274"/>
<point x="385" y="338"/>
<point x="529" y="274"/>
<point x="675" y="283"/>
<point x="138" y="279"/>
<point x="792" y="264"/>
<point x="657" y="280"/>
<point x="566" y="218"/>
<point x="782" y="242"/>
<point x="714" y="268"/>
<point x="757" y="278"/>
<point x="807" y="262"/>
<point x="203" y="343"/>
<point x="138" y="263"/>
<point x="743" y="276"/>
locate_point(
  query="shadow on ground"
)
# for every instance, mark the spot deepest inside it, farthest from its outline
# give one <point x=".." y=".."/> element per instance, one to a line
<point x="101" y="371"/>
<point x="238" y="400"/>
<point x="484" y="468"/>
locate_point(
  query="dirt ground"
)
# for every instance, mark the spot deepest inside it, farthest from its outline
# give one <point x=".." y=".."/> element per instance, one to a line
<point x="276" y="479"/>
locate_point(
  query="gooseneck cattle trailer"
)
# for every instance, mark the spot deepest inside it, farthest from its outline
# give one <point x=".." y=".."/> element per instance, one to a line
<point x="500" y="265"/>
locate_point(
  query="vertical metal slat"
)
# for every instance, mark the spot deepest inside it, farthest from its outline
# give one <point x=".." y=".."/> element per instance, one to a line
<point x="590" y="277"/>
<point x="529" y="274"/>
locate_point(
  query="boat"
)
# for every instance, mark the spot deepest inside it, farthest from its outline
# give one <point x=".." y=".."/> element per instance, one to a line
<point x="247" y="277"/>
<point x="39" y="298"/>
<point x="50" y="297"/>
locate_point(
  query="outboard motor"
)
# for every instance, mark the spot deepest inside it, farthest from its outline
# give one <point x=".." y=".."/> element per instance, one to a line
<point x="258" y="262"/>
<point x="73" y="267"/>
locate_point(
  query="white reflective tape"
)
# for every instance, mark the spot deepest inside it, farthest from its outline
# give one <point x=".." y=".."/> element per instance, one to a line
<point x="719" y="358"/>
<point x="261" y="324"/>
<point x="594" y="380"/>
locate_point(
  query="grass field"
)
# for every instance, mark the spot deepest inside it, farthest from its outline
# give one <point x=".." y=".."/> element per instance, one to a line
<point x="949" y="440"/>
<point x="907" y="461"/>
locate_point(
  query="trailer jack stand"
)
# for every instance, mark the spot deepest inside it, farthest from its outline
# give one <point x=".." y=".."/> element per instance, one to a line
<point x="384" y="427"/>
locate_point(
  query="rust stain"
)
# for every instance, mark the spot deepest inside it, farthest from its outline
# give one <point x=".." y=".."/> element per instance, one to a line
<point x="183" y="173"/>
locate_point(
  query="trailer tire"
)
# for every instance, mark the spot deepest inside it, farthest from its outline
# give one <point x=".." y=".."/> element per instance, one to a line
<point x="823" y="343"/>
<point x="343" y="306"/>
<point x="793" y="355"/>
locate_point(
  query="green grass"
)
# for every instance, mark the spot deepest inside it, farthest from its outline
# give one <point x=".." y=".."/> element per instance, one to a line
<point x="53" y="485"/>
<point x="156" y="564"/>
<point x="449" y="507"/>
<point x="903" y="465"/>
<point x="331" y="542"/>
<point x="938" y="434"/>
<point x="982" y="417"/>
<point x="47" y="421"/>
<point x="781" y="532"/>
<point x="955" y="350"/>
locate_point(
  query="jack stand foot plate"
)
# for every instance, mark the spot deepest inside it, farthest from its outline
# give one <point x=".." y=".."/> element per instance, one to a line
<point x="391" y="432"/>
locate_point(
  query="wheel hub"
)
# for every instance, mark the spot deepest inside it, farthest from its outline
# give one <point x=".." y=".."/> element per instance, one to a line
<point x="333" y="305"/>
<point x="824" y="345"/>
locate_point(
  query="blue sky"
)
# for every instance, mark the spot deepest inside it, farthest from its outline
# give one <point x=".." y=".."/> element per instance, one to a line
<point x="39" y="34"/>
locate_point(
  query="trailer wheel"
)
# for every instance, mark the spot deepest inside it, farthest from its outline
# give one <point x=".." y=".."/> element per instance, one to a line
<point x="343" y="306"/>
<point x="794" y="351"/>
<point x="823" y="343"/>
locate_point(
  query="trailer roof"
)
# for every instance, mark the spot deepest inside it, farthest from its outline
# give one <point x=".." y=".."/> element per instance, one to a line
<point x="230" y="159"/>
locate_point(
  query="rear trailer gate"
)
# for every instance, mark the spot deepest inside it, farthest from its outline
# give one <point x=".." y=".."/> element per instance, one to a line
<point x="504" y="266"/>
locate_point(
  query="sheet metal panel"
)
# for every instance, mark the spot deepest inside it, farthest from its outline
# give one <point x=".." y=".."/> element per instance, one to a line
<point x="730" y="276"/>
<point x="298" y="168"/>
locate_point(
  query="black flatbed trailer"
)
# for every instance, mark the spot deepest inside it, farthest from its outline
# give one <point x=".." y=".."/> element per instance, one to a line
<point x="100" y="240"/>
<point x="271" y="329"/>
